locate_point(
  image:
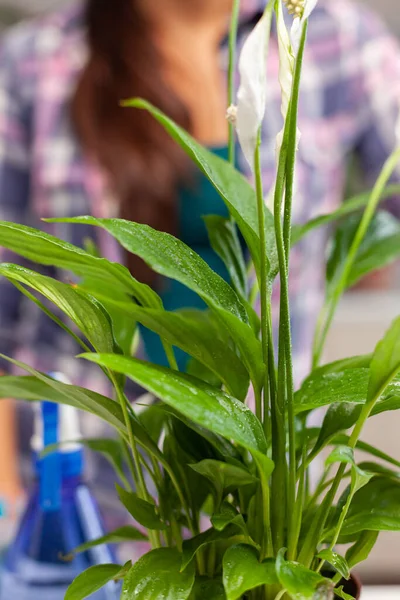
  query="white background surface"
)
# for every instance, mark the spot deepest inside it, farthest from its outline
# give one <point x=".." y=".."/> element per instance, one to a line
<point x="383" y="593"/>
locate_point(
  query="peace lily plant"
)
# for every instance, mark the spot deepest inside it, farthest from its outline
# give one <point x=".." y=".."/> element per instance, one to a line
<point x="270" y="535"/>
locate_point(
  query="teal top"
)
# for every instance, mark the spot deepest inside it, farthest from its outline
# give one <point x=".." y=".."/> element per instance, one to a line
<point x="196" y="199"/>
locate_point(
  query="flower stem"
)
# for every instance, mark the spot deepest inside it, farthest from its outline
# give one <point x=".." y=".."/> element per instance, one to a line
<point x="264" y="268"/>
<point x="286" y="329"/>
<point x="231" y="73"/>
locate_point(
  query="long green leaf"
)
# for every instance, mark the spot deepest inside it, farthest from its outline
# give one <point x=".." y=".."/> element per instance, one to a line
<point x="93" y="579"/>
<point x="205" y="405"/>
<point x="46" y="249"/>
<point x="143" y="512"/>
<point x="225" y="242"/>
<point x="85" y="311"/>
<point x="118" y="536"/>
<point x="380" y="247"/>
<point x="360" y="551"/>
<point x="233" y="188"/>
<point x="368" y="449"/>
<point x="198" y="338"/>
<point x="170" y="257"/>
<point x="350" y="206"/>
<point x="376" y="507"/>
<point x="158" y="575"/>
<point x="36" y="389"/>
<point x="41" y="386"/>
<point x="385" y="363"/>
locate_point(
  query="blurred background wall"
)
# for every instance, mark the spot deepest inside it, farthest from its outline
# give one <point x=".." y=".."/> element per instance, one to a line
<point x="361" y="320"/>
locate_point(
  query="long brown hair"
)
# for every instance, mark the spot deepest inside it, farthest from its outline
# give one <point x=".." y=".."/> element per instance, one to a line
<point x="143" y="164"/>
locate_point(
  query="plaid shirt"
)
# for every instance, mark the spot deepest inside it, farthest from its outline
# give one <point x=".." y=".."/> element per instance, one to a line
<point x="350" y="100"/>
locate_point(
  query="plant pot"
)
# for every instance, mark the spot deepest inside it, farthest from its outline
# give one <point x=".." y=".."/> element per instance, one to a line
<point x="352" y="587"/>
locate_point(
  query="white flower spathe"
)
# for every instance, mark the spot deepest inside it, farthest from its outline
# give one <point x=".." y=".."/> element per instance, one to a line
<point x="252" y="94"/>
<point x="298" y="23"/>
<point x="286" y="67"/>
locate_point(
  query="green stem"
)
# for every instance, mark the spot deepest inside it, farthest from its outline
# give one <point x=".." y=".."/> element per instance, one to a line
<point x="264" y="267"/>
<point x="379" y="188"/>
<point x="294" y="532"/>
<point x="285" y="330"/>
<point x="278" y="480"/>
<point x="231" y="73"/>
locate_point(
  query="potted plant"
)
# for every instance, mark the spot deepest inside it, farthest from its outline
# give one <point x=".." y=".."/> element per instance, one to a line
<point x="204" y="451"/>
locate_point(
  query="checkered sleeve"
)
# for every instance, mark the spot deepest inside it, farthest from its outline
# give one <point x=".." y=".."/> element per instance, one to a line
<point x="379" y="101"/>
<point x="14" y="183"/>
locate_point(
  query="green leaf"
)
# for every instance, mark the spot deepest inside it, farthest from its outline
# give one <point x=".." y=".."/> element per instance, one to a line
<point x="340" y="593"/>
<point x="223" y="447"/>
<point x="234" y="189"/>
<point x="344" y="454"/>
<point x="338" y="562"/>
<point x="300" y="582"/>
<point x="243" y="571"/>
<point x="158" y="575"/>
<point x="94" y="579"/>
<point x="360" y="551"/>
<point x="318" y="390"/>
<point x="125" y="329"/>
<point x="339" y="416"/>
<point x="118" y="536"/>
<point x="224" y="477"/>
<point x="225" y="242"/>
<point x="170" y="257"/>
<point x="36" y="388"/>
<point x="364" y="447"/>
<point x="385" y="363"/>
<point x="379" y="469"/>
<point x="376" y="507"/>
<point x="380" y="247"/>
<point x="198" y="338"/>
<point x="338" y="366"/>
<point x="349" y="206"/>
<point x="193" y="545"/>
<point x="143" y="512"/>
<point x="41" y="386"/>
<point x="48" y="250"/>
<point x="228" y="515"/>
<point x="209" y="407"/>
<point x="85" y="311"/>
<point x="210" y="589"/>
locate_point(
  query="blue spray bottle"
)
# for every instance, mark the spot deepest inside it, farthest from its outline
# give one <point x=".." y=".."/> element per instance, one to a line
<point x="61" y="514"/>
